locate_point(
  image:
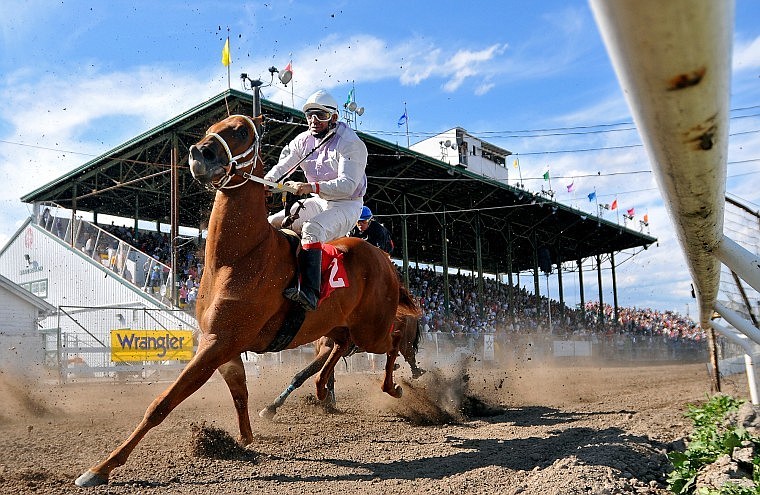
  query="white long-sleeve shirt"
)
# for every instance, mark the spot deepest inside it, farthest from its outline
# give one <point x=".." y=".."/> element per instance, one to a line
<point x="337" y="168"/>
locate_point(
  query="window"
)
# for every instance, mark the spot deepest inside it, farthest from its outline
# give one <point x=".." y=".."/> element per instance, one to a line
<point x="38" y="287"/>
<point x="463" y="153"/>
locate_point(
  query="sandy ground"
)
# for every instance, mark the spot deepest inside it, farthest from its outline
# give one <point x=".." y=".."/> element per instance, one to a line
<point x="534" y="429"/>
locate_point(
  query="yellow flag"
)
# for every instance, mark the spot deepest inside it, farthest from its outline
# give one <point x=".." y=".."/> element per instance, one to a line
<point x="516" y="163"/>
<point x="226" y="53"/>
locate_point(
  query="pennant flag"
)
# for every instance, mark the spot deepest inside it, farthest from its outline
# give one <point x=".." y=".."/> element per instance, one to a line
<point x="226" y="60"/>
<point x="289" y="67"/>
<point x="546" y="175"/>
<point x="613" y="206"/>
<point x="631" y="212"/>
<point x="516" y="163"/>
<point x="592" y="196"/>
<point x="402" y="119"/>
<point x="646" y="217"/>
<point x="571" y="186"/>
<point x="350" y="96"/>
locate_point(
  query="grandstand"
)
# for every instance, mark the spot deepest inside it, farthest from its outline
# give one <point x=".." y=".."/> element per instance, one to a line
<point x="440" y="213"/>
<point x="489" y="226"/>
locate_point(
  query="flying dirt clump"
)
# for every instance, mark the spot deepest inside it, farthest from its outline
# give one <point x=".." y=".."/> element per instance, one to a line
<point x="19" y="400"/>
<point x="436" y="399"/>
<point x="214" y="443"/>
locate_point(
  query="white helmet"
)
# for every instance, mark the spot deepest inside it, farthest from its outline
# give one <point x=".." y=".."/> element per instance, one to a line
<point x="321" y="100"/>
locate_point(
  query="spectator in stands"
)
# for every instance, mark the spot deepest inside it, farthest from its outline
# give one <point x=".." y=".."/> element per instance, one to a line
<point x="372" y="231"/>
<point x="155" y="278"/>
<point x="192" y="295"/>
<point x="89" y="246"/>
<point x="46" y="219"/>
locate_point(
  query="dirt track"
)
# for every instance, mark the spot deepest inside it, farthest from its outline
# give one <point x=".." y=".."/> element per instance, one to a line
<point x="532" y="430"/>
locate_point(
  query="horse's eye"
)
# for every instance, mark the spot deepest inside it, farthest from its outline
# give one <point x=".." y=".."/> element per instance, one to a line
<point x="241" y="133"/>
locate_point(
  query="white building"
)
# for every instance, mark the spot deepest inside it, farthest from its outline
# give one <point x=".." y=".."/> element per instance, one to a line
<point x="89" y="296"/>
<point x="459" y="148"/>
<point x="22" y="342"/>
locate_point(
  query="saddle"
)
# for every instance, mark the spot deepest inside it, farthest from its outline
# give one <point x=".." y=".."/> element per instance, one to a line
<point x="333" y="277"/>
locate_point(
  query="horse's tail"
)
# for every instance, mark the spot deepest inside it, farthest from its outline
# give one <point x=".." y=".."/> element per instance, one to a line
<point x="417" y="335"/>
<point x="407" y="306"/>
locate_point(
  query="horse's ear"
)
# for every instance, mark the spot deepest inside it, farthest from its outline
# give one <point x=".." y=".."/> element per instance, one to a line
<point x="258" y="120"/>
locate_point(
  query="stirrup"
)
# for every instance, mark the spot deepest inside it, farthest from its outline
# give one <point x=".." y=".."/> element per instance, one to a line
<point x="296" y="295"/>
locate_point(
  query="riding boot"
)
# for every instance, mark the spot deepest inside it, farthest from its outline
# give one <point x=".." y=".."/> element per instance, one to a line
<point x="310" y="267"/>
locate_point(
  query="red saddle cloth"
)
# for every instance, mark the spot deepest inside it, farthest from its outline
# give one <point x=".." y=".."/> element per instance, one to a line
<point x="333" y="271"/>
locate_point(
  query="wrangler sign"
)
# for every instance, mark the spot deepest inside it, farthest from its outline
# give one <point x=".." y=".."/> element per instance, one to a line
<point x="129" y="345"/>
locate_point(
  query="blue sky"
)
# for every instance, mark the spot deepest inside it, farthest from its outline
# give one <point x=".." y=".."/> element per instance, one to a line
<point x="78" y="78"/>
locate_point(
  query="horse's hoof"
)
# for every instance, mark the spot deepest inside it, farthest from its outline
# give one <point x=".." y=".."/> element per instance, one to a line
<point x="418" y="373"/>
<point x="91" y="478"/>
<point x="268" y="412"/>
<point x="397" y="391"/>
<point x="321" y="394"/>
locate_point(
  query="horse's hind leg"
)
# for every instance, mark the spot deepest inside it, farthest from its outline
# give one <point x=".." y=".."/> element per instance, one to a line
<point x="411" y="358"/>
<point x="233" y="373"/>
<point x="326" y="373"/>
<point x="196" y="373"/>
<point x="389" y="387"/>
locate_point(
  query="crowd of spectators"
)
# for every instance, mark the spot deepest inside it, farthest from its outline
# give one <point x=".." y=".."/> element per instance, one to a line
<point x="466" y="315"/>
<point x="157" y="245"/>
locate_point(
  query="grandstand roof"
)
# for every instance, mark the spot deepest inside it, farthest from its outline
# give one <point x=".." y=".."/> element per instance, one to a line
<point x="133" y="179"/>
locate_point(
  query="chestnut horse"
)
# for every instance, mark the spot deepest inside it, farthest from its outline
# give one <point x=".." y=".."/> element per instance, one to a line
<point x="408" y="347"/>
<point x="240" y="306"/>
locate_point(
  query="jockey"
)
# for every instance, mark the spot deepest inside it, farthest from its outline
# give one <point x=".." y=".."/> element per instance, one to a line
<point x="372" y="231"/>
<point x="333" y="159"/>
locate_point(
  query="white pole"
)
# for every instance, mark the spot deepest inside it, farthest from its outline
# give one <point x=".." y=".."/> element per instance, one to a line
<point x="749" y="360"/>
<point x="740" y="261"/>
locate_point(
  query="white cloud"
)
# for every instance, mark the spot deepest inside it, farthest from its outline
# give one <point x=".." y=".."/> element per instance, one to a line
<point x="746" y="54"/>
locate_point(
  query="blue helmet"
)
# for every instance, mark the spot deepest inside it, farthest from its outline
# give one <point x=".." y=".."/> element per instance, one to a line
<point x="366" y="213"/>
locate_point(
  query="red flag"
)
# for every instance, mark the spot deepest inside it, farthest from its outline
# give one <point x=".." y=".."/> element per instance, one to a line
<point x="613" y="206"/>
<point x="289" y="67"/>
<point x="631" y="212"/>
<point x="646" y="217"/>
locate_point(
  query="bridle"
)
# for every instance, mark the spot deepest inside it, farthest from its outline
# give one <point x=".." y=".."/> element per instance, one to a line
<point x="234" y="167"/>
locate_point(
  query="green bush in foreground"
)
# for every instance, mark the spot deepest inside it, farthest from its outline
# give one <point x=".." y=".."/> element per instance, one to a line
<point x="712" y="437"/>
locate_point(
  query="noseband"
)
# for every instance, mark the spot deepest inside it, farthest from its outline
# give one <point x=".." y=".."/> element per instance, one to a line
<point x="233" y="167"/>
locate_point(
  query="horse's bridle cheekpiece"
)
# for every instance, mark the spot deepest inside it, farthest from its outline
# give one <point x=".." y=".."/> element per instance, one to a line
<point x="232" y="164"/>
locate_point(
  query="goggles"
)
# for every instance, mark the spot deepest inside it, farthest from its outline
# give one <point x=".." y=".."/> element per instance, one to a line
<point x="320" y="115"/>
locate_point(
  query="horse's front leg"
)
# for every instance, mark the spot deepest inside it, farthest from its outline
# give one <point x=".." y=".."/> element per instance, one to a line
<point x="197" y="372"/>
<point x="233" y="373"/>
<point x="389" y="387"/>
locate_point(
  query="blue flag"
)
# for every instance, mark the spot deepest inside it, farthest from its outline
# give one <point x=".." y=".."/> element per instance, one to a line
<point x="402" y="119"/>
<point x="592" y="196"/>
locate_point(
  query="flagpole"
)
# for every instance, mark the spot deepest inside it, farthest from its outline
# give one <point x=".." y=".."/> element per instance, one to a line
<point x="406" y="122"/>
<point x="596" y="200"/>
<point x="519" y="171"/>
<point x="229" y="84"/>
<point x="292" y="84"/>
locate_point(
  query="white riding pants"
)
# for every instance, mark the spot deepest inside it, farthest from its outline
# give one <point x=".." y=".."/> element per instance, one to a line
<point x="321" y="220"/>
